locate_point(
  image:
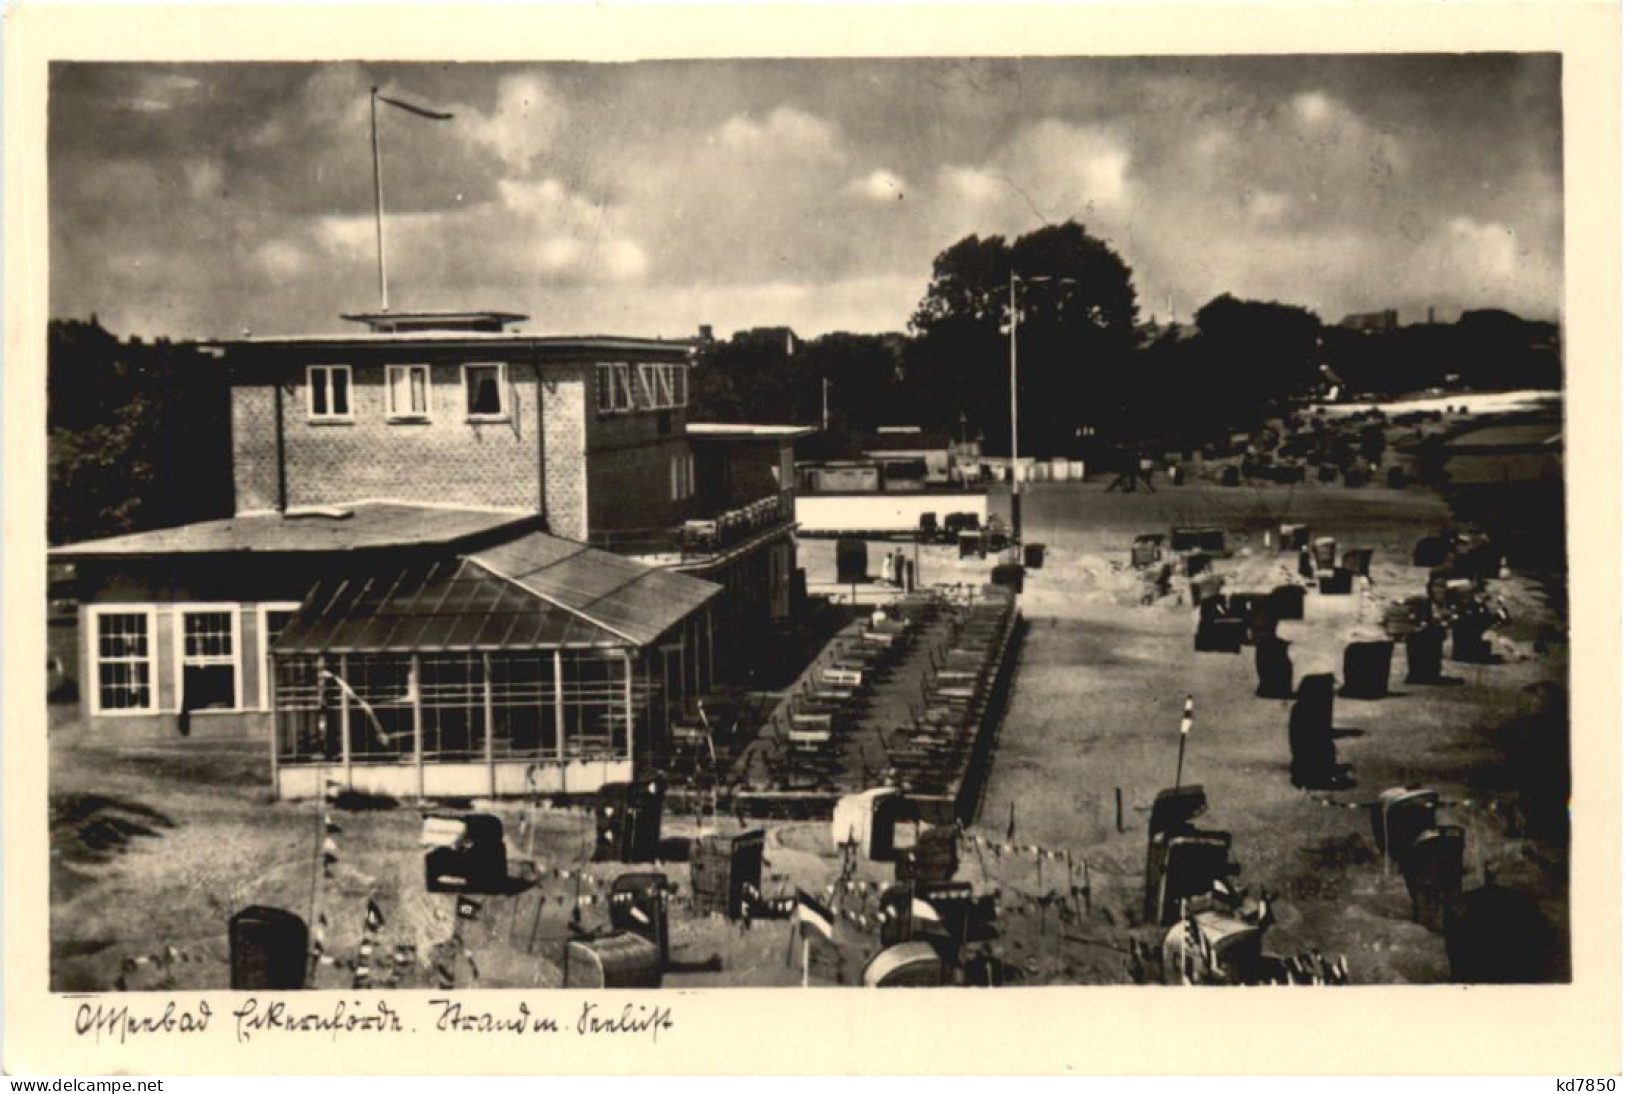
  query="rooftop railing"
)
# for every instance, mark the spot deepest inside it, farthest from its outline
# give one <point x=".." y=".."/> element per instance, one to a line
<point x="698" y="539"/>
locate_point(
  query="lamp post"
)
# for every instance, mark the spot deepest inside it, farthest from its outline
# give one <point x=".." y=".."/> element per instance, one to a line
<point x="1015" y="466"/>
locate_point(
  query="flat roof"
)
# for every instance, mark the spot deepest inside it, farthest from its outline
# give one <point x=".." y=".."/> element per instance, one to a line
<point x="484" y="339"/>
<point x="366" y="526"/>
<point x="742" y="431"/>
<point x="913" y="441"/>
<point x="468" y="316"/>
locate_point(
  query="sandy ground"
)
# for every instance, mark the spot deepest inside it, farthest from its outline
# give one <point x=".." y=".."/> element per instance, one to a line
<point x="153" y="847"/>
<point x="1101" y="686"/>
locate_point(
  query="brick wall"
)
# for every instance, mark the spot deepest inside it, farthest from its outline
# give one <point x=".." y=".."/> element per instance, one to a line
<point x="446" y="460"/>
<point x="565" y="393"/>
<point x="253" y="446"/>
<point x="591" y="472"/>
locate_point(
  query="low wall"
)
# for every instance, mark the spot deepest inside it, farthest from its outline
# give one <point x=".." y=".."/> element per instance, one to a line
<point x="472" y="779"/>
<point x="249" y="726"/>
<point x="880" y="514"/>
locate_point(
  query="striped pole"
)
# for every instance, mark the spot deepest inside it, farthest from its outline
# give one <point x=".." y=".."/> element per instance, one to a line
<point x="1184" y="732"/>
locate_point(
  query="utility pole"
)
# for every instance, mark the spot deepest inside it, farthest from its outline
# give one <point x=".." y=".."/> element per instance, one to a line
<point x="1015" y="467"/>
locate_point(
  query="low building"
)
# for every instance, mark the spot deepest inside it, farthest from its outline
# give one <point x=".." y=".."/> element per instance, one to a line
<point x="440" y="442"/>
<point x="912" y="456"/>
<point x="534" y="666"/>
<point x="176" y="625"/>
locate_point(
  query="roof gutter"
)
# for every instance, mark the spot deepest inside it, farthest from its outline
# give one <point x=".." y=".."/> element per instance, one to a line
<point x="541" y="437"/>
<point x="281" y="452"/>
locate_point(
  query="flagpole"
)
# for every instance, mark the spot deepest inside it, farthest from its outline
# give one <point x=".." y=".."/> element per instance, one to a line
<point x="378" y="204"/>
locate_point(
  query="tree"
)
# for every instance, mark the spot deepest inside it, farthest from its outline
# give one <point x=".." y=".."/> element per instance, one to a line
<point x="1077" y="310"/>
<point x="139" y="434"/>
<point x="863" y="374"/>
<point x="1251" y="354"/>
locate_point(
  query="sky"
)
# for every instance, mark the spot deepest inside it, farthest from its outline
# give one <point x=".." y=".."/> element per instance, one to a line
<point x="648" y="198"/>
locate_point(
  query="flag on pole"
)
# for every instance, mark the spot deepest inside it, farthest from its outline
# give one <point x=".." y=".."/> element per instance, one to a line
<point x="375" y="916"/>
<point x="422" y="112"/>
<point x="1185" y="722"/>
<point x="810" y="913"/>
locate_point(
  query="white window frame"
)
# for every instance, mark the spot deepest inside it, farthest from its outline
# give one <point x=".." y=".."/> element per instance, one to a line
<point x="621" y="397"/>
<point x="96" y="611"/>
<point x="178" y="627"/>
<point x="327" y="372"/>
<point x="662" y="386"/>
<point x="394" y="414"/>
<point x="682" y="477"/>
<point x="502" y="391"/>
<point x="261" y="619"/>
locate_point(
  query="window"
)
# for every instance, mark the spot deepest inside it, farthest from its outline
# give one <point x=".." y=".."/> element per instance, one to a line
<point x="208" y="659"/>
<point x="614" y="389"/>
<point x="662" y="387"/>
<point x="487" y="391"/>
<point x="682" y="478"/>
<point x="327" y="389"/>
<point x="407" y="388"/>
<point x="623" y="388"/>
<point x="207" y="669"/>
<point x="123" y="661"/>
<point x="274" y="619"/>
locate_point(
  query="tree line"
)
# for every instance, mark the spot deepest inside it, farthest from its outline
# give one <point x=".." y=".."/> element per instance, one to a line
<point x="1090" y="372"/>
<point x="140" y="431"/>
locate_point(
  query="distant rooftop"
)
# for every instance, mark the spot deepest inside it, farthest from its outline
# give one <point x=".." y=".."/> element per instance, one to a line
<point x="347" y="528"/>
<point x="740" y="431"/>
<point x="913" y="441"/>
<point x="399" y="322"/>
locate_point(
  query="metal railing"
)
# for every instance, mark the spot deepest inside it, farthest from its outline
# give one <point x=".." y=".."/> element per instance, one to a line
<point x="703" y="537"/>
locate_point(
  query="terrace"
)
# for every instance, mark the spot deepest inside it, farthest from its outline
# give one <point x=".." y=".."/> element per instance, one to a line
<point x="706" y="539"/>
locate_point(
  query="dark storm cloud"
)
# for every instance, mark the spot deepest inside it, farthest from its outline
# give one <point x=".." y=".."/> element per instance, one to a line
<point x="651" y="197"/>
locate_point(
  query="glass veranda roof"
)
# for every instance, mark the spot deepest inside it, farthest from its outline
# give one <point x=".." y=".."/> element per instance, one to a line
<point x="534" y="592"/>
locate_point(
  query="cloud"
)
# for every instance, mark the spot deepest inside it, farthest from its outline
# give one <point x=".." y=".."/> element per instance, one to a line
<point x="651" y="197"/>
<point x="786" y="133"/>
<point x="204" y="179"/>
<point x="524" y="124"/>
<point x="282" y="258"/>
<point x="1071" y="166"/>
<point x="972" y="184"/>
<point x="878" y="185"/>
<point x="1047" y="173"/>
<point x="1312" y="106"/>
<point x="536" y="234"/>
<point x="1266" y="204"/>
<point x="1483" y="250"/>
